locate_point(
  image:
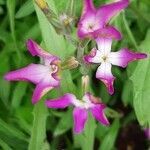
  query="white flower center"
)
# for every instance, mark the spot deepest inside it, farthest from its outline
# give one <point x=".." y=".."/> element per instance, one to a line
<point x="85" y="103"/>
<point x="91" y="24"/>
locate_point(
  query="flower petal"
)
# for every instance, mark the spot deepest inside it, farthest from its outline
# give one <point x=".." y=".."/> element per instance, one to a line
<point x="88" y="6"/>
<point x="40" y="91"/>
<point x="124" y="56"/>
<point x="36" y="50"/>
<point x="104" y="74"/>
<point x="89" y="98"/>
<point x="104" y="45"/>
<point x="61" y="102"/>
<point x="93" y="57"/>
<point x="108" y="32"/>
<point x="106" y="12"/>
<point x="44" y="86"/>
<point x="80" y="116"/>
<point x="33" y="73"/>
<point x="98" y="114"/>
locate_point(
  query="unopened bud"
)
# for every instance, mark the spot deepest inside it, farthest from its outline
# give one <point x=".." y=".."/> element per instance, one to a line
<point x="70" y="63"/>
<point x="85" y="83"/>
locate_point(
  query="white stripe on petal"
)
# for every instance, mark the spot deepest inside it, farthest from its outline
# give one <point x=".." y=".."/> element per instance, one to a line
<point x="104" y="45"/>
<point x="104" y="74"/>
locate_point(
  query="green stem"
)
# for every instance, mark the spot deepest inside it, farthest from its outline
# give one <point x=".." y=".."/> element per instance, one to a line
<point x="38" y="134"/>
<point x="129" y="32"/>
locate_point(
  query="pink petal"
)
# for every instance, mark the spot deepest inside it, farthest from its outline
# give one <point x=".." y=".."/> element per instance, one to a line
<point x="104" y="74"/>
<point x="108" y="32"/>
<point x="124" y="56"/>
<point x="88" y="97"/>
<point x="43" y="87"/>
<point x="104" y="45"/>
<point x="98" y="114"/>
<point x="106" y="12"/>
<point x="32" y="73"/>
<point x="61" y="102"/>
<point x="88" y="6"/>
<point x="93" y="57"/>
<point x="36" y="50"/>
<point x="40" y="91"/>
<point x="80" y="116"/>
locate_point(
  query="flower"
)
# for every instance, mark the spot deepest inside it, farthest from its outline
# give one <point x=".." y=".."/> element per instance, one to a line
<point x="93" y="22"/>
<point x="80" y="113"/>
<point x="147" y="133"/>
<point x="106" y="58"/>
<point x="45" y="76"/>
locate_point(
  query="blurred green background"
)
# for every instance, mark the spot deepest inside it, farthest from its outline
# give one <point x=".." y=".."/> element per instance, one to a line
<point x="128" y="110"/>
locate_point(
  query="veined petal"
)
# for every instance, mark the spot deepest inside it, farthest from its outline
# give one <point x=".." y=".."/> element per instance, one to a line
<point x="40" y="90"/>
<point x="98" y="114"/>
<point x="33" y="73"/>
<point x="124" y="56"/>
<point x="88" y="6"/>
<point x="109" y="32"/>
<point x="104" y="45"/>
<point x="80" y="116"/>
<point x="93" y="57"/>
<point x="61" y="102"/>
<point x="43" y="87"/>
<point x="88" y="97"/>
<point x="36" y="50"/>
<point x="104" y="74"/>
<point x="106" y="12"/>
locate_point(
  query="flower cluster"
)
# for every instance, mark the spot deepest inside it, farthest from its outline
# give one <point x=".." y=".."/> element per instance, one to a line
<point x="93" y="24"/>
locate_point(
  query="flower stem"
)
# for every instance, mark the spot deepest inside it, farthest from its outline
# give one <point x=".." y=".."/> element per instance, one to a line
<point x="129" y="32"/>
<point x="38" y="134"/>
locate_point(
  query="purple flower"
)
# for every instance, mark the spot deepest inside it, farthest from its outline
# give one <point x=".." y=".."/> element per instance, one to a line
<point x="45" y="75"/>
<point x="80" y="113"/>
<point x="94" y="21"/>
<point x="147" y="133"/>
<point x="106" y="59"/>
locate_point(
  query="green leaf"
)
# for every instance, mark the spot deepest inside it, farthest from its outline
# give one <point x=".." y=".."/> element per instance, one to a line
<point x="110" y="138"/>
<point x="5" y="127"/>
<point x="141" y="85"/>
<point x="53" y="42"/>
<point x="4" y="145"/>
<point x="18" y="94"/>
<point x="85" y="140"/>
<point x="64" y="124"/>
<point x="26" y="9"/>
<point x="11" y="11"/>
<point x="127" y="94"/>
<point x="38" y="134"/>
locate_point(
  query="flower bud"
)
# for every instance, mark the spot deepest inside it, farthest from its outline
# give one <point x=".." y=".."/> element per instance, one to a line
<point x="70" y="63"/>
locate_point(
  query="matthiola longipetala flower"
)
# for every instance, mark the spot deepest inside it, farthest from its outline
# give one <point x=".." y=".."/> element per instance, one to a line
<point x="81" y="108"/>
<point x="45" y="75"/>
<point x="94" y="21"/>
<point x="106" y="59"/>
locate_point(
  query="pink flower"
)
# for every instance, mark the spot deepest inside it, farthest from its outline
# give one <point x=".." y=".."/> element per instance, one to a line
<point x="80" y="114"/>
<point x="94" y="21"/>
<point x="106" y="59"/>
<point x="45" y="75"/>
<point x="147" y="133"/>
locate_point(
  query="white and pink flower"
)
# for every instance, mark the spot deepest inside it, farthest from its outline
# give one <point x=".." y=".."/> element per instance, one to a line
<point x="106" y="59"/>
<point x="94" y="21"/>
<point x="45" y="75"/>
<point x="80" y="112"/>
